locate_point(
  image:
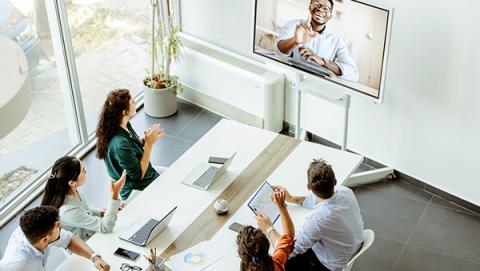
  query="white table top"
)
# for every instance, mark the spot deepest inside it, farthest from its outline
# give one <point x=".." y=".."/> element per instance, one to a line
<point x="291" y="174"/>
<point x="167" y="191"/>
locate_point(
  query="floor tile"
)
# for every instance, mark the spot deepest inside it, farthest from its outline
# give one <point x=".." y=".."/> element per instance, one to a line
<point x="171" y="125"/>
<point x="415" y="258"/>
<point x="140" y="124"/>
<point x="161" y="144"/>
<point x="449" y="231"/>
<point x="176" y="147"/>
<point x="400" y="188"/>
<point x="390" y="216"/>
<point x="204" y="122"/>
<point x="438" y="201"/>
<point x="381" y="256"/>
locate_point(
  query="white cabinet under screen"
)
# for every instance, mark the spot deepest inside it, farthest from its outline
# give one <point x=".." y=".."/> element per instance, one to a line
<point x="231" y="86"/>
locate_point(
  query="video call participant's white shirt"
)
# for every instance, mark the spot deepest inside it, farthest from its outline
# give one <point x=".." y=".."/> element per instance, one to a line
<point x="333" y="230"/>
<point x="20" y="255"/>
<point x="327" y="45"/>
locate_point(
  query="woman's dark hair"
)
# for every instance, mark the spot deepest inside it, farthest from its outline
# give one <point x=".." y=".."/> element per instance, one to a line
<point x="36" y="223"/>
<point x="321" y="178"/>
<point x="253" y="248"/>
<point x="64" y="170"/>
<point x="117" y="102"/>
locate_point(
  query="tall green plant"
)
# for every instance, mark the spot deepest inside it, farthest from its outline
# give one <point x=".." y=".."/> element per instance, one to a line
<point x="166" y="48"/>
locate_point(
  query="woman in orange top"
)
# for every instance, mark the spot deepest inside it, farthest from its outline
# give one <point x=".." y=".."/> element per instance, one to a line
<point x="253" y="244"/>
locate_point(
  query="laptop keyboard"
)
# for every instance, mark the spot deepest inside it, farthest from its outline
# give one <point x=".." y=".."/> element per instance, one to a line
<point x="205" y="179"/>
<point x="141" y="236"/>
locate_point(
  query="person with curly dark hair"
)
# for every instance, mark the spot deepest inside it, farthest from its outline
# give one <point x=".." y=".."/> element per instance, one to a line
<point x="121" y="148"/>
<point x="333" y="231"/>
<point x="253" y="243"/>
<point x="31" y="243"/>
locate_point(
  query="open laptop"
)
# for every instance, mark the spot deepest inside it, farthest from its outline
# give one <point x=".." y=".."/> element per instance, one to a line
<point x="205" y="174"/>
<point x="146" y="228"/>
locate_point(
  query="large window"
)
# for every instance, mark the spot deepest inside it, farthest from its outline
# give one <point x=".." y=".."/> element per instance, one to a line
<point x="110" y="41"/>
<point x="77" y="50"/>
<point x="47" y="131"/>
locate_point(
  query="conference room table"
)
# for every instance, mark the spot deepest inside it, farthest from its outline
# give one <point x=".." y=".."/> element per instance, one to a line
<point x="260" y="156"/>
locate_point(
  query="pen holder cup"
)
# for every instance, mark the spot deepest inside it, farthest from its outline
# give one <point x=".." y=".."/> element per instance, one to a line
<point x="160" y="266"/>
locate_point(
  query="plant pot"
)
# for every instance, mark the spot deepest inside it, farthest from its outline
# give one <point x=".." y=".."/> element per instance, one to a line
<point x="159" y="103"/>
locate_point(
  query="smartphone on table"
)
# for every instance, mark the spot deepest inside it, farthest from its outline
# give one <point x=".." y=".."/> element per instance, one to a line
<point x="125" y="253"/>
<point x="217" y="160"/>
<point x="235" y="226"/>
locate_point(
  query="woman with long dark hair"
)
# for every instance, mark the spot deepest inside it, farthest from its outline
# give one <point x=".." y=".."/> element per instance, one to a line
<point x="69" y="173"/>
<point x="253" y="243"/>
<point x="119" y="145"/>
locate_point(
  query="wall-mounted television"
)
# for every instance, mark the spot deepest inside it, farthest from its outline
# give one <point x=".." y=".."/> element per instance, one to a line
<point x="343" y="41"/>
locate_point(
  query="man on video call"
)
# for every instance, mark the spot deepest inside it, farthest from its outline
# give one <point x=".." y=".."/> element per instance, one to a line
<point x="310" y="41"/>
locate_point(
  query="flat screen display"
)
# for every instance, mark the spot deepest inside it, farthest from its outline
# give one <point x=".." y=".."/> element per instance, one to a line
<point x="343" y="41"/>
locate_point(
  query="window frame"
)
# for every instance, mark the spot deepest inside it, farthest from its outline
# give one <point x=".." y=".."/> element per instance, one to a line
<point x="68" y="77"/>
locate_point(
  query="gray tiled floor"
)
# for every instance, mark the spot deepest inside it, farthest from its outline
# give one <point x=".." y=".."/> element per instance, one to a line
<point x="414" y="229"/>
<point x="450" y="232"/>
<point x="382" y="255"/>
<point x="389" y="216"/>
<point x="417" y="258"/>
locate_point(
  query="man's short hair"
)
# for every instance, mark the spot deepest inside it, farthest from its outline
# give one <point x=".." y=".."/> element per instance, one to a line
<point x="36" y="223"/>
<point x="321" y="178"/>
<point x="331" y="2"/>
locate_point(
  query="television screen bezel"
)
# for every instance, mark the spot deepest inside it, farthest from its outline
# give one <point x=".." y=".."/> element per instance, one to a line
<point x="353" y="90"/>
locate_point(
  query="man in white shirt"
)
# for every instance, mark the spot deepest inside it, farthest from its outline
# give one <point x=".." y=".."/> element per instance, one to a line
<point x="333" y="232"/>
<point x="310" y="41"/>
<point x="31" y="243"/>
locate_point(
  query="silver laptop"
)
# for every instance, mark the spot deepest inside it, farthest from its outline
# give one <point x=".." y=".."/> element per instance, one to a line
<point x="146" y="228"/>
<point x="205" y="174"/>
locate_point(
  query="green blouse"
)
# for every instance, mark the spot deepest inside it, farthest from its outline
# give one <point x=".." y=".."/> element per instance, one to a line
<point x="124" y="152"/>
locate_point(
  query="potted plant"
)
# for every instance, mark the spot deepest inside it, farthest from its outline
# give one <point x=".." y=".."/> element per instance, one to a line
<point x="160" y="86"/>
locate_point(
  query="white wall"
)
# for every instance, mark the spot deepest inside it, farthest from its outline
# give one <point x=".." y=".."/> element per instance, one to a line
<point x="429" y="124"/>
<point x="226" y="23"/>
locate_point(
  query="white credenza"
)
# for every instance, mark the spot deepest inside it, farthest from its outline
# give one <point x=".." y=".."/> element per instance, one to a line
<point x="226" y="83"/>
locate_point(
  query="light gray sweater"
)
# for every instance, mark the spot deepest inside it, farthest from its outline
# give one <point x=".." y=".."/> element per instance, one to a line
<point x="76" y="216"/>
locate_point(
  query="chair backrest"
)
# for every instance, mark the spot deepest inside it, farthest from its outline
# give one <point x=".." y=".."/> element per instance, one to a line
<point x="368" y="237"/>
